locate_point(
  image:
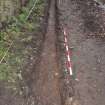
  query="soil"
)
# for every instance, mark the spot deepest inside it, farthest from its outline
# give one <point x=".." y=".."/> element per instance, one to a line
<point x="47" y="83"/>
<point x="85" y="23"/>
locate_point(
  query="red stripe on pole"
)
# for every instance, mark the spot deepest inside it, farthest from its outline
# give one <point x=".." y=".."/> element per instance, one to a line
<point x="68" y="64"/>
<point x="67" y="53"/>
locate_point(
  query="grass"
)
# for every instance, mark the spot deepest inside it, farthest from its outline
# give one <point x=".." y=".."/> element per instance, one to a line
<point x="12" y="64"/>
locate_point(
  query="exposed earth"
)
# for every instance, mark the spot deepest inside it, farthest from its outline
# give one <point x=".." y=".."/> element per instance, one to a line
<point x="85" y="22"/>
<point x="47" y="82"/>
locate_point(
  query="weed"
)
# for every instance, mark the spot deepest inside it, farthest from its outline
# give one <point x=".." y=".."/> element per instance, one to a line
<point x="12" y="65"/>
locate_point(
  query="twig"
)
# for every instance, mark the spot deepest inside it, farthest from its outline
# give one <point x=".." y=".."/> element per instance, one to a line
<point x="31" y="10"/>
<point x="12" y="42"/>
<point x="6" y="53"/>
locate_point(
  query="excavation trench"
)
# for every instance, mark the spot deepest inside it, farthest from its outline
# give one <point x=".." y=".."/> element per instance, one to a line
<point x="45" y="85"/>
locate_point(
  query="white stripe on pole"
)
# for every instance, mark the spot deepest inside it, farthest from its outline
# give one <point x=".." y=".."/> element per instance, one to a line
<point x="67" y="53"/>
<point x="70" y="69"/>
<point x="67" y="49"/>
<point x="68" y="58"/>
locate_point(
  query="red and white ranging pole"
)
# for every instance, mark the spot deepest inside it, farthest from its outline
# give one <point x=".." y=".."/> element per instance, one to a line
<point x="67" y="53"/>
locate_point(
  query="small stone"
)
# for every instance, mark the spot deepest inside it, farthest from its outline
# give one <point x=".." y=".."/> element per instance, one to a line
<point x="69" y="101"/>
<point x="71" y="47"/>
<point x="75" y="102"/>
<point x="77" y="79"/>
<point x="67" y="81"/>
<point x="56" y="74"/>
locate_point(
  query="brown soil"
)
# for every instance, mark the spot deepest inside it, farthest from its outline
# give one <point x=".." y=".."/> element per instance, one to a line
<point x="45" y="77"/>
<point x="86" y="27"/>
<point x="45" y="85"/>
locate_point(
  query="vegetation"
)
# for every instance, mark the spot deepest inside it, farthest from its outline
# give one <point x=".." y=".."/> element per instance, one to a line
<point x="14" y="40"/>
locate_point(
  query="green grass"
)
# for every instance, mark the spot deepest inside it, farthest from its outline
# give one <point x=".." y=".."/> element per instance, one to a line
<point x="12" y="65"/>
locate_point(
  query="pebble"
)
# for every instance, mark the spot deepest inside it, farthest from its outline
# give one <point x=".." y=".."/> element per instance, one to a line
<point x="77" y="79"/>
<point x="56" y="74"/>
<point x="71" y="101"/>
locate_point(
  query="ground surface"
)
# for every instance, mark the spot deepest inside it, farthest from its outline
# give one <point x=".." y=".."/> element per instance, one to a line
<point x="47" y="83"/>
<point x="85" y="24"/>
<point x="46" y="86"/>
